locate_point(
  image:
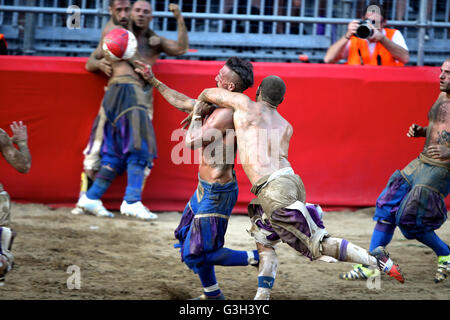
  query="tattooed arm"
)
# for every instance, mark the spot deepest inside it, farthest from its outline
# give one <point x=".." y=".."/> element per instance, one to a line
<point x="175" y="98"/>
<point x="225" y="98"/>
<point x="19" y="159"/>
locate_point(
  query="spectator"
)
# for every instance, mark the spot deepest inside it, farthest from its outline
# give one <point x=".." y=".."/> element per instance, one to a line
<point x="385" y="47"/>
<point x="3" y="45"/>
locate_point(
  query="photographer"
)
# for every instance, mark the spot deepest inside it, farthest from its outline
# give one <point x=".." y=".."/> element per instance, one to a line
<point x="368" y="42"/>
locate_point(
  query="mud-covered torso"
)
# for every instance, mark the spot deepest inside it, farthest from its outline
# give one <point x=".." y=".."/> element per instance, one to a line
<point x="124" y="68"/>
<point x="148" y="52"/>
<point x="438" y="131"/>
<point x="263" y="141"/>
<point x="217" y="158"/>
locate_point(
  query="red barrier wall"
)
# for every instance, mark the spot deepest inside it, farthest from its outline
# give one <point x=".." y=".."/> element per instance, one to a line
<point x="350" y="127"/>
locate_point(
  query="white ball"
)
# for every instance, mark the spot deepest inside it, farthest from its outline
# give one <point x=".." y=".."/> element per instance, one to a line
<point x="119" y="44"/>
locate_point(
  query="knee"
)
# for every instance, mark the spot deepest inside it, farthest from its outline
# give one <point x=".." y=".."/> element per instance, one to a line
<point x="407" y="234"/>
<point x="330" y="246"/>
<point x="385" y="226"/>
<point x="106" y="173"/>
<point x="265" y="240"/>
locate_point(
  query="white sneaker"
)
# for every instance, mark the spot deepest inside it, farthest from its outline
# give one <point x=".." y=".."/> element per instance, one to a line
<point x="77" y="210"/>
<point x="262" y="294"/>
<point x="94" y="207"/>
<point x="137" y="210"/>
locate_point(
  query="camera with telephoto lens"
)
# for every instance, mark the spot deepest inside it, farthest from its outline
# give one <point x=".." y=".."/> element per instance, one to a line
<point x="365" y="29"/>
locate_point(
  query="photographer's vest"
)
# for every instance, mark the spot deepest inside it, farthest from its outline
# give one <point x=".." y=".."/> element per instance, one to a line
<point x="359" y="52"/>
<point x="3" y="45"/>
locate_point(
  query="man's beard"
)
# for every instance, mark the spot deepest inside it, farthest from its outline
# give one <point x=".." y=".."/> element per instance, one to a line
<point x="123" y="22"/>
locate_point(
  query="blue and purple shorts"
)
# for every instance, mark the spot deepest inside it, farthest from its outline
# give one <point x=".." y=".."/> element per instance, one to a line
<point x="205" y="220"/>
<point x="414" y="198"/>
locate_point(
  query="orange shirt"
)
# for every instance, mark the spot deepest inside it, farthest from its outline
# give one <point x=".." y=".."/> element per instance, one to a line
<point x="2" y="39"/>
<point x="359" y="53"/>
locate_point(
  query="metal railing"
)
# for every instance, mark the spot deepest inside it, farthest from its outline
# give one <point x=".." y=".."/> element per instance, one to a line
<point x="280" y="31"/>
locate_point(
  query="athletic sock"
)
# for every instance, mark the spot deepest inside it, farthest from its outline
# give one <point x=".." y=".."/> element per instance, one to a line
<point x="97" y="190"/>
<point x="103" y="180"/>
<point x="432" y="240"/>
<point x="266" y="282"/>
<point x="253" y="257"/>
<point x="382" y="235"/>
<point x="136" y="175"/>
<point x="346" y="251"/>
<point x="267" y="272"/>
<point x="85" y="185"/>
<point x="207" y="277"/>
<point x="227" y="257"/>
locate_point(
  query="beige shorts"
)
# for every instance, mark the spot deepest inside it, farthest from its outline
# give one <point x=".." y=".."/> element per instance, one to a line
<point x="280" y="214"/>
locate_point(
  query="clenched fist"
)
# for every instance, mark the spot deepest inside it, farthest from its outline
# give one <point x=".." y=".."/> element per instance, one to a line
<point x="415" y="131"/>
<point x="175" y="10"/>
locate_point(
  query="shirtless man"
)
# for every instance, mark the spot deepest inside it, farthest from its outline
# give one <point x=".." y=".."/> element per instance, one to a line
<point x="150" y="46"/>
<point x="203" y="225"/>
<point x="21" y="161"/>
<point x="278" y="212"/>
<point x="414" y="197"/>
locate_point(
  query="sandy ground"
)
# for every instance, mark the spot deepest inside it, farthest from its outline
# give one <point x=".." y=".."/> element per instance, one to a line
<point x="123" y="258"/>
